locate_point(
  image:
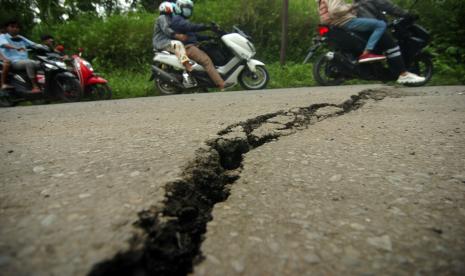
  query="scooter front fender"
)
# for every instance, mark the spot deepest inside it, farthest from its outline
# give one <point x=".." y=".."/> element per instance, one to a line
<point x="96" y="80"/>
<point x="253" y="63"/>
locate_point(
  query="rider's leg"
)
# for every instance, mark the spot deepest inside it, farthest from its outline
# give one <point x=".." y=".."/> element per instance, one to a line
<point x="393" y="54"/>
<point x="5" y="71"/>
<point x="377" y="29"/>
<point x="177" y="47"/>
<point x="396" y="61"/>
<point x="203" y="59"/>
<point x="30" y="66"/>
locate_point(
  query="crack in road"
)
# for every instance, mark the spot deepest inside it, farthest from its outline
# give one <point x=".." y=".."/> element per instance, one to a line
<point x="172" y="235"/>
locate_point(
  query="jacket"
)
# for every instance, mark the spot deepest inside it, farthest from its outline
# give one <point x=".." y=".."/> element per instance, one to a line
<point x="183" y="26"/>
<point x="335" y="12"/>
<point x="375" y="8"/>
<point x="162" y="33"/>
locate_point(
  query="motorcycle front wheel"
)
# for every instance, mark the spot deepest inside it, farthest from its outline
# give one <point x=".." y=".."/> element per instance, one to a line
<point x="325" y="72"/>
<point x="68" y="89"/>
<point x="100" y="92"/>
<point x="5" y="100"/>
<point x="254" y="81"/>
<point x="422" y="65"/>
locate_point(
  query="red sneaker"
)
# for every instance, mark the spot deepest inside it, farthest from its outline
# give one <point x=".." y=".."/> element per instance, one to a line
<point x="370" y="58"/>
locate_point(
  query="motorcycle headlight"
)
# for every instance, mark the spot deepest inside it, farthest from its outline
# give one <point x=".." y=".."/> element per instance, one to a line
<point x="50" y="66"/>
<point x="60" y="64"/>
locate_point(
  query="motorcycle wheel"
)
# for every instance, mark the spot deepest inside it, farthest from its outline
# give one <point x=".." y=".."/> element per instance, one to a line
<point x="254" y="81"/>
<point x="5" y="100"/>
<point x="68" y="90"/>
<point x="165" y="88"/>
<point x="101" y="92"/>
<point x="325" y="72"/>
<point x="422" y="65"/>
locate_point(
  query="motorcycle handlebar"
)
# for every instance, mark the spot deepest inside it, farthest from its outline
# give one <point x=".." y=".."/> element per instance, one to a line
<point x="220" y="32"/>
<point x="217" y="29"/>
<point x="408" y="19"/>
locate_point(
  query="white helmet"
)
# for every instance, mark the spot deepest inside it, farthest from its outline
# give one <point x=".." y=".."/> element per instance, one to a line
<point x="184" y="8"/>
<point x="167" y="7"/>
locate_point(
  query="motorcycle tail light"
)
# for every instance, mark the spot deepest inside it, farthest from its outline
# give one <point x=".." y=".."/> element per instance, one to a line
<point x="322" y="30"/>
<point x="40" y="79"/>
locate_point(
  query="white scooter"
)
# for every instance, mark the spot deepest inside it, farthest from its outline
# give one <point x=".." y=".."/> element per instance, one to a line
<point x="232" y="56"/>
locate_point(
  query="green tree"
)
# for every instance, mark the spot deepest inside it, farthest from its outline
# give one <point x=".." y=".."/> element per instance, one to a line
<point x="19" y="10"/>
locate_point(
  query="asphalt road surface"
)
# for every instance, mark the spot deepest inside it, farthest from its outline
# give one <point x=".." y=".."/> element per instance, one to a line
<point x="291" y="182"/>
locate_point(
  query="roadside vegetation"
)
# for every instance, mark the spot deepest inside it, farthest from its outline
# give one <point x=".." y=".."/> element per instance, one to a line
<point x="119" y="43"/>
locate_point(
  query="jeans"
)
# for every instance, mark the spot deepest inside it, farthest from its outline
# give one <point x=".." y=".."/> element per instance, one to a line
<point x="376" y="27"/>
<point x="203" y="59"/>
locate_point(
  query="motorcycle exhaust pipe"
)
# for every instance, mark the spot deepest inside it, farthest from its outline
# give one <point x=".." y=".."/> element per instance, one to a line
<point x="159" y="74"/>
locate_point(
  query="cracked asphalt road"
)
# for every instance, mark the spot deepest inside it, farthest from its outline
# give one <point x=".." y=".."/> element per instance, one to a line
<point x="378" y="191"/>
<point x="74" y="176"/>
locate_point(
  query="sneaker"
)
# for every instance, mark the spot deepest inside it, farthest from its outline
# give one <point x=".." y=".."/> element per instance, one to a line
<point x="188" y="81"/>
<point x="370" y="58"/>
<point x="410" y="78"/>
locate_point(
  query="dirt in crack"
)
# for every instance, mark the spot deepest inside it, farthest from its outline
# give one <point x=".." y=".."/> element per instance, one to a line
<point x="172" y="235"/>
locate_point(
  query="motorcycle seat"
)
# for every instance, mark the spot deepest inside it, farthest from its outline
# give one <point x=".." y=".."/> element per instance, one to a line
<point x="162" y="52"/>
<point x="345" y="40"/>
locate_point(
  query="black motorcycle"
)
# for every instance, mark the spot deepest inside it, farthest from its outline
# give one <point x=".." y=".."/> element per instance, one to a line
<point x="341" y="63"/>
<point x="55" y="80"/>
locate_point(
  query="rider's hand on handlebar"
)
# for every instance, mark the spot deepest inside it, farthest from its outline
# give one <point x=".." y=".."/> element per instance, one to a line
<point x="214" y="27"/>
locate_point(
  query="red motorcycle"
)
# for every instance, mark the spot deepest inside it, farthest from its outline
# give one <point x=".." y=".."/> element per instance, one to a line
<point x="93" y="85"/>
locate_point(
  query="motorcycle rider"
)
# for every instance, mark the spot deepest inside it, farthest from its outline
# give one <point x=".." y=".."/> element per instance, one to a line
<point x="14" y="48"/>
<point x="49" y="41"/>
<point x="374" y="9"/>
<point x="181" y="24"/>
<point x="6" y="63"/>
<point x="339" y="13"/>
<point x="164" y="38"/>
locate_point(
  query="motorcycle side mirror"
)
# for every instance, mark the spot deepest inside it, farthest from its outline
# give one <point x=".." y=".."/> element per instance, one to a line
<point x="80" y="50"/>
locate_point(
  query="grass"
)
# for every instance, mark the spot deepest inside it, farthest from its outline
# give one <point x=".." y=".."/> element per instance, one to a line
<point x="130" y="83"/>
<point x="135" y="83"/>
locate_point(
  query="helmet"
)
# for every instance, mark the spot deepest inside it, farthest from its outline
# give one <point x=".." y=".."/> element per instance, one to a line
<point x="167" y="7"/>
<point x="184" y="8"/>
